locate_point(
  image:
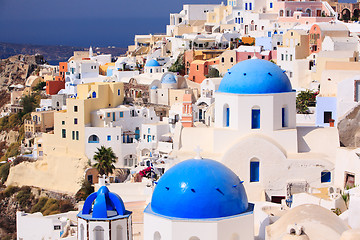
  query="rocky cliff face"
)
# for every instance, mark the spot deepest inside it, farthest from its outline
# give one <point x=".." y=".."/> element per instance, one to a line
<point x="15" y="69"/>
<point x="349" y="128"/>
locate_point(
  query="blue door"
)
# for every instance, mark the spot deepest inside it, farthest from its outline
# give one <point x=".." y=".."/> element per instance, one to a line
<point x="227" y="117"/>
<point x="137" y="133"/>
<point x="255" y="119"/>
<point x="254" y="171"/>
<point x="149" y="138"/>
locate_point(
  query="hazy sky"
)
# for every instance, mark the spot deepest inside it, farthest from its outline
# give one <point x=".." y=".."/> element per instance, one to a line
<point x="85" y="22"/>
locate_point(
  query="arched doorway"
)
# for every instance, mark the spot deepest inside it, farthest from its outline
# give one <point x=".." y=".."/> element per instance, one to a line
<point x="356" y="15"/>
<point x="308" y="11"/>
<point x="345" y="13"/>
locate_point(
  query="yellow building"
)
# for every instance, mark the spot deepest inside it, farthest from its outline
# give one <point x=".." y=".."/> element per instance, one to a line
<point x="298" y="39"/>
<point x="69" y="125"/>
<point x="40" y="122"/>
<point x="103" y="68"/>
<point x="226" y="61"/>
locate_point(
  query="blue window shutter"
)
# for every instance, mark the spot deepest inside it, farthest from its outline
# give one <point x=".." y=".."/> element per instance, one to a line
<point x="325" y="176"/>
<point x="254" y="171"/>
<point x="227" y="117"/>
<point x="255" y="119"/>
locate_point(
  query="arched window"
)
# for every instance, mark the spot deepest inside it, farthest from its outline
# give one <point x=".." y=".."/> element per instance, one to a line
<point x="82" y="237"/>
<point x="284" y="117"/>
<point x="222" y="60"/>
<point x="119" y="233"/>
<point x="94" y="95"/>
<point x="254" y="170"/>
<point x="93" y="139"/>
<point x="98" y="233"/>
<point x="255" y="118"/>
<point x="157" y="236"/>
<point x="226" y="116"/>
<point x="150" y="70"/>
<point x="308" y="11"/>
<point x="325" y="176"/>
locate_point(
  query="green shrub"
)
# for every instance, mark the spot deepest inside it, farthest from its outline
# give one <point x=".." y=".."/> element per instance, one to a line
<point x="4" y="172"/>
<point x="24" y="197"/>
<point x="304" y="99"/>
<point x="10" y="190"/>
<point x="85" y="190"/>
<point x="66" y="206"/>
<point x="50" y="206"/>
<point x="39" y="205"/>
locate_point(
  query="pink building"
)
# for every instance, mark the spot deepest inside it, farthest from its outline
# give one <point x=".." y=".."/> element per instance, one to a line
<point x="304" y="12"/>
<point x="248" y="52"/>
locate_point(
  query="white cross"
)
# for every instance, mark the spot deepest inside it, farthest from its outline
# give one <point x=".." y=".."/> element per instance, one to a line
<point x="198" y="150"/>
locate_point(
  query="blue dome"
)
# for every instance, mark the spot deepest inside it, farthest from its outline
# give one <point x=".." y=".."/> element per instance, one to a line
<point x="152" y="63"/>
<point x="154" y="87"/>
<point x="199" y="189"/>
<point x="107" y="205"/>
<point x="255" y="76"/>
<point x="168" y="79"/>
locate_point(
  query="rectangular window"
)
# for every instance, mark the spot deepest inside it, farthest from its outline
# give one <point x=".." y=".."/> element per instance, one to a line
<point x="113" y="116"/>
<point x="148" y="130"/>
<point x="63" y="133"/>
<point x="271" y="5"/>
<point x="250" y="6"/>
<point x="121" y="114"/>
<point x="144" y="136"/>
<point x="269" y="34"/>
<point x="255" y="121"/>
<point x="153" y="138"/>
<point x="254" y="171"/>
<point x="119" y="92"/>
<point x="227" y="117"/>
<point x="108" y="137"/>
<point x="283" y="117"/>
<point x="108" y="115"/>
<point x="73" y="135"/>
<point x="327" y="117"/>
<point x="246" y="6"/>
<point x="75" y="108"/>
<point x="290" y="57"/>
<point x="77" y="135"/>
<point x="75" y="121"/>
<point x="282" y="57"/>
<point x="63" y="122"/>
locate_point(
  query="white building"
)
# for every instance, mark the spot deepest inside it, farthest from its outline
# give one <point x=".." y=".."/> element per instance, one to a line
<point x="120" y="129"/>
<point x="199" y="199"/>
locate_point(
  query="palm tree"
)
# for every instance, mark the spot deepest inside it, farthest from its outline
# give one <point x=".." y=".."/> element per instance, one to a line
<point x="105" y="158"/>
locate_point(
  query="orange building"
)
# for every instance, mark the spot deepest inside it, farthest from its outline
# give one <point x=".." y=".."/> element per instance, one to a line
<point x="199" y="69"/>
<point x="187" y="113"/>
<point x="53" y="87"/>
<point x="62" y="70"/>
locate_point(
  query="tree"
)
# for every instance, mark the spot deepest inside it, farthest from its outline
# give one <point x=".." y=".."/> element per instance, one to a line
<point x="105" y="158"/>
<point x="179" y="65"/>
<point x="213" y="73"/>
<point x="40" y="86"/>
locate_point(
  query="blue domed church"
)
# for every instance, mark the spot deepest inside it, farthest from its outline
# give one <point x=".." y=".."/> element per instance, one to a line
<point x="256" y="136"/>
<point x="199" y="199"/>
<point x="104" y="217"/>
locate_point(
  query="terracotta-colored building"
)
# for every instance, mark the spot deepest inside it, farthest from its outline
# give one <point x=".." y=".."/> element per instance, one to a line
<point x="318" y="32"/>
<point x="53" y="87"/>
<point x="199" y="69"/>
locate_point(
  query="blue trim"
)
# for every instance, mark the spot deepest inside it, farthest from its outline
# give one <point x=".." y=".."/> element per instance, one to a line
<point x="254" y="171"/>
<point x="227" y="117"/>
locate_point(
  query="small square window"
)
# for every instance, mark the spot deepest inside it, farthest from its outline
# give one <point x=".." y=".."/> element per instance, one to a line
<point x="75" y="108"/>
<point x="63" y="122"/>
<point x="108" y="137"/>
<point x="108" y="114"/>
